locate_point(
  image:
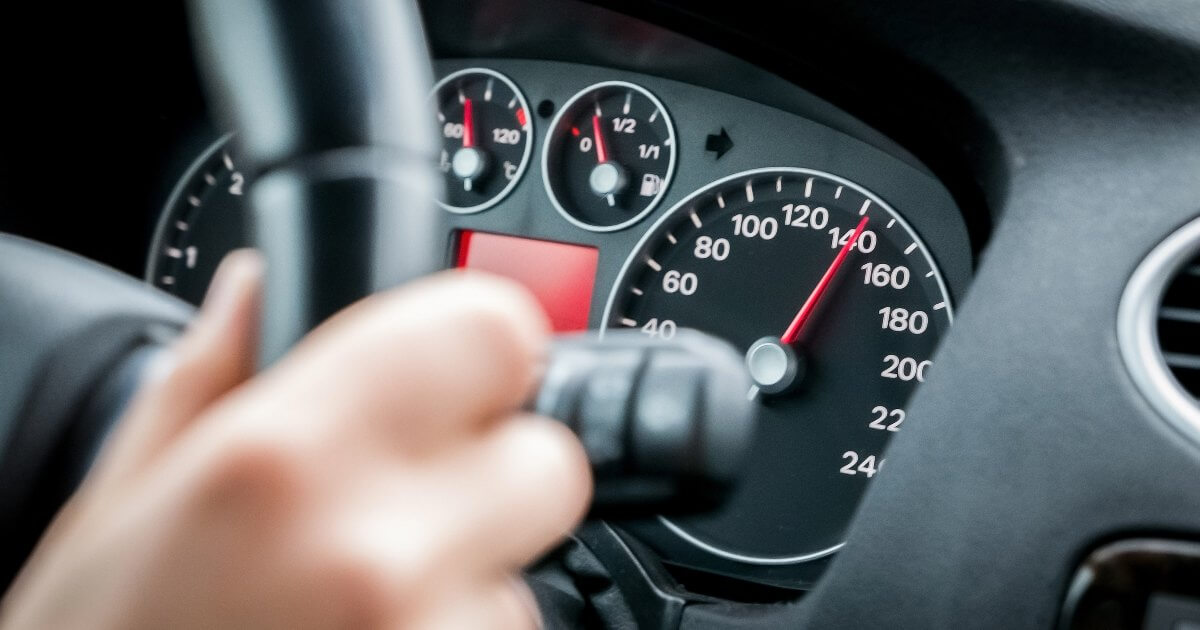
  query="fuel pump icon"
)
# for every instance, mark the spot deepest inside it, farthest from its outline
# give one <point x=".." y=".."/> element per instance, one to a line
<point x="651" y="184"/>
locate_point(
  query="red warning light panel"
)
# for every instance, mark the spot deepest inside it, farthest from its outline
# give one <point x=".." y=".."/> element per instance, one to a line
<point x="562" y="276"/>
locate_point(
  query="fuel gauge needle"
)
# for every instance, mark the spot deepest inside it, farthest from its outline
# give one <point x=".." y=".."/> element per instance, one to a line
<point x="601" y="148"/>
<point x="606" y="187"/>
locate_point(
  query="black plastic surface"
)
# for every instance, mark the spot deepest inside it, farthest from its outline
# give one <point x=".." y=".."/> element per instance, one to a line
<point x="70" y="338"/>
<point x="1151" y="583"/>
<point x="329" y="103"/>
<point x="303" y="77"/>
<point x="666" y="424"/>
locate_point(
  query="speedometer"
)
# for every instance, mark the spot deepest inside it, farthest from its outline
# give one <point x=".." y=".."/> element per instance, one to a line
<point x="838" y="306"/>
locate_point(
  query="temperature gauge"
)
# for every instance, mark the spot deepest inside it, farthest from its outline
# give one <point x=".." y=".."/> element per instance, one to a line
<point x="485" y="127"/>
<point x="609" y="156"/>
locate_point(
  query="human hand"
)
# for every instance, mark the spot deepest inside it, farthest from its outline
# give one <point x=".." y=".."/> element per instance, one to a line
<point x="379" y="476"/>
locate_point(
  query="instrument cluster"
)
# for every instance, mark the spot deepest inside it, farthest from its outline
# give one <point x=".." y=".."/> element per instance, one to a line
<point x="624" y="200"/>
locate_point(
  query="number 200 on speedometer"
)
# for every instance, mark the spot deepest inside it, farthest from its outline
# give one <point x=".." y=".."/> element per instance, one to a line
<point x="838" y="306"/>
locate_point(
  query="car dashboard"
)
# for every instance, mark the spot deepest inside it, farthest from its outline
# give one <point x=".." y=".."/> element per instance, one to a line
<point x="859" y="198"/>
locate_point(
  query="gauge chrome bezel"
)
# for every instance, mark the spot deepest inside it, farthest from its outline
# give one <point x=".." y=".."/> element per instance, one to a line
<point x="640" y="250"/>
<point x="1137" y="330"/>
<point x="550" y="137"/>
<point x="525" y="157"/>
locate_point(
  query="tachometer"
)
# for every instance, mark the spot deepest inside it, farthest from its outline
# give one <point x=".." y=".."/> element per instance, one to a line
<point x="609" y="156"/>
<point x="204" y="219"/>
<point x="838" y="306"/>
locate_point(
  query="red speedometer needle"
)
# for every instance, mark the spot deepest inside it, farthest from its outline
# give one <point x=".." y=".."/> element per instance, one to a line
<point x="468" y="124"/>
<point x="601" y="149"/>
<point x="793" y="331"/>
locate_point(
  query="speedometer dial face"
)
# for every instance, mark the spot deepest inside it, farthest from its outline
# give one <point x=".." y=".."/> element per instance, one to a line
<point x="609" y="156"/>
<point x="838" y="306"/>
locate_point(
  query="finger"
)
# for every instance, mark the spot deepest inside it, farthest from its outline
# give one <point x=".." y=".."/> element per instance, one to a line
<point x="414" y="366"/>
<point x="519" y="492"/>
<point x="489" y="508"/>
<point x="504" y="604"/>
<point x="215" y="354"/>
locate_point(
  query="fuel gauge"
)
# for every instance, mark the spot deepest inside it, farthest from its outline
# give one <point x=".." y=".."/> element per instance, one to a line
<point x="609" y="156"/>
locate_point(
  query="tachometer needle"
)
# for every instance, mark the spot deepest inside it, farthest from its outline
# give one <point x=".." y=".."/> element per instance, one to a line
<point x="468" y="137"/>
<point x="793" y="331"/>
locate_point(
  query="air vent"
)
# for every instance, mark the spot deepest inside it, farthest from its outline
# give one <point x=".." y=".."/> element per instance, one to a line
<point x="1179" y="326"/>
<point x="1158" y="327"/>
